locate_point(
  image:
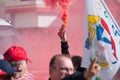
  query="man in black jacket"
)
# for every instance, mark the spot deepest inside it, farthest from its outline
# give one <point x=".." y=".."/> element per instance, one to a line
<point x="65" y="50"/>
<point x="61" y="68"/>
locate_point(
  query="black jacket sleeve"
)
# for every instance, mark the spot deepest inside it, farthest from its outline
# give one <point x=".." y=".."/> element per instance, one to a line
<point x="64" y="48"/>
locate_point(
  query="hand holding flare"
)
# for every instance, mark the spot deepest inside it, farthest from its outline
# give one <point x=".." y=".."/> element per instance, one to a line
<point x="61" y="33"/>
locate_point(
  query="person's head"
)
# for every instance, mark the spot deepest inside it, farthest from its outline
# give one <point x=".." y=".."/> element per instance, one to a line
<point x="77" y="63"/>
<point x="6" y="70"/>
<point x="60" y="66"/>
<point x="17" y="56"/>
<point x="19" y="65"/>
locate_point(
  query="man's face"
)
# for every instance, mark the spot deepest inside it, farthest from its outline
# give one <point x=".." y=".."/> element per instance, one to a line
<point x="63" y="66"/>
<point x="22" y="65"/>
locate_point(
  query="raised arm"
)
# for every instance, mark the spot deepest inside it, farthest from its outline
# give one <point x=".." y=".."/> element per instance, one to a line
<point x="64" y="43"/>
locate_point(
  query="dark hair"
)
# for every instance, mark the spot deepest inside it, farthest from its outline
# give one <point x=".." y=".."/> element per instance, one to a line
<point x="77" y="63"/>
<point x="52" y="61"/>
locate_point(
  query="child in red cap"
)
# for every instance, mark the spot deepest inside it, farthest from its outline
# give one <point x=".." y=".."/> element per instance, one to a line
<point x="17" y="56"/>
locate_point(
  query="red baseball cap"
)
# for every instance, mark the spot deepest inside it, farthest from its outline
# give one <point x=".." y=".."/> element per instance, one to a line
<point x="15" y="53"/>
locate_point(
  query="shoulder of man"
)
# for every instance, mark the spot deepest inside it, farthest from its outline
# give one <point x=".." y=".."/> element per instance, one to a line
<point x="76" y="76"/>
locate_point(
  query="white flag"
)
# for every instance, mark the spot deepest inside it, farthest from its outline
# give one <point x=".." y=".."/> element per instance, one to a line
<point x="102" y="34"/>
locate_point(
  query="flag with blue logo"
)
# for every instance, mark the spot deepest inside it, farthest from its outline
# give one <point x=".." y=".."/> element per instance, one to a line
<point x="102" y="34"/>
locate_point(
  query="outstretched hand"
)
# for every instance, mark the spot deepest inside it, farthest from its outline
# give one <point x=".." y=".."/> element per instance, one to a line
<point x="93" y="69"/>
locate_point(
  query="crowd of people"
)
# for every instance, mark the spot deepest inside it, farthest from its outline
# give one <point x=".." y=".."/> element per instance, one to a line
<point x="15" y="62"/>
<point x="61" y="67"/>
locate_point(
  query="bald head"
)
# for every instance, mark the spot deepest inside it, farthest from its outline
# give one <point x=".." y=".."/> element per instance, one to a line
<point x="60" y="66"/>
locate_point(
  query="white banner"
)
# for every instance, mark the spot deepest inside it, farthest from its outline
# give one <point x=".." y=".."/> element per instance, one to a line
<point x="102" y="34"/>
